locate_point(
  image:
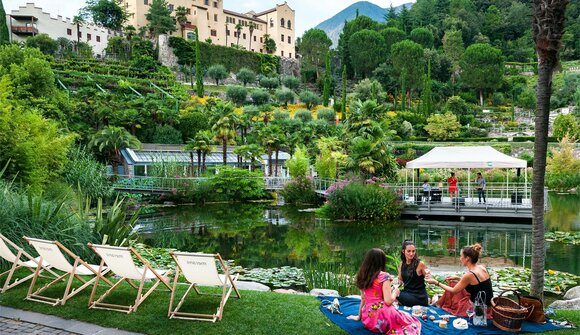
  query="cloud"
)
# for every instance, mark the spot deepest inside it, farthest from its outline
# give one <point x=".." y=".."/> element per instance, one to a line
<point x="65" y="8"/>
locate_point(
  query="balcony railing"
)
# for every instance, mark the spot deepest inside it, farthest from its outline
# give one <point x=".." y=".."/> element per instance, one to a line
<point x="24" y="30"/>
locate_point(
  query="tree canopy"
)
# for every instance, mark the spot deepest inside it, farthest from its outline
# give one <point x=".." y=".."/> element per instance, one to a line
<point x="107" y="13"/>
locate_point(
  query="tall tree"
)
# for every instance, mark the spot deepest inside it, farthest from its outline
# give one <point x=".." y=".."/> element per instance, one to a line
<point x="365" y="49"/>
<point x="453" y="49"/>
<point x="198" y="70"/>
<point x="327" y="77"/>
<point x="181" y="18"/>
<point x="107" y="13"/>
<point x="78" y="20"/>
<point x="251" y="27"/>
<point x="110" y="141"/>
<point x="548" y="27"/>
<point x="224" y="126"/>
<point x="4" y="34"/>
<point x="482" y="68"/>
<point x="408" y="60"/>
<point x="238" y="33"/>
<point x="313" y="47"/>
<point x="159" y="18"/>
<point x="426" y="100"/>
<point x="343" y="110"/>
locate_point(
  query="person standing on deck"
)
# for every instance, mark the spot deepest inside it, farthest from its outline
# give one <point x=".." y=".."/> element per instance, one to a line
<point x="453" y="189"/>
<point x="480" y="181"/>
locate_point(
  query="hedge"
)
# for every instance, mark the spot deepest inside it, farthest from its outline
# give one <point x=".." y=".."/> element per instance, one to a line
<point x="233" y="59"/>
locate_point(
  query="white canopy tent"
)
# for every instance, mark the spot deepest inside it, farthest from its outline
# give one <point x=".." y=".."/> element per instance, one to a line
<point x="477" y="157"/>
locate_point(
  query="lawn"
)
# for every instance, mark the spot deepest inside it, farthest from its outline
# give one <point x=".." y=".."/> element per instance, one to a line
<point x="255" y="313"/>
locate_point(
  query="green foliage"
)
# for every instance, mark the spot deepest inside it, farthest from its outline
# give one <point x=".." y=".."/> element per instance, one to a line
<point x="270" y="83"/>
<point x="82" y="170"/>
<point x="327" y="80"/>
<point x="285" y="96"/>
<point x="280" y="115"/>
<point x="217" y="72"/>
<point x="482" y="67"/>
<point x="422" y="36"/>
<point x="326" y="114"/>
<point x="191" y="122"/>
<point x="237" y="94"/>
<point x="111" y="140"/>
<point x="368" y="90"/>
<point x="365" y="202"/>
<point x="314" y="46"/>
<point x="309" y="99"/>
<point x="198" y="69"/>
<point x="365" y="48"/>
<point x="443" y="126"/>
<point x="234" y="184"/>
<point x="298" y="164"/>
<point x="453" y="48"/>
<point x="4" y="34"/>
<point x="326" y="164"/>
<point x="145" y="63"/>
<point x="269" y="44"/>
<point x="166" y="134"/>
<point x="408" y="60"/>
<point x="562" y="167"/>
<point x="291" y="82"/>
<point x="44" y="43"/>
<point x="260" y="97"/>
<point x="113" y="226"/>
<point x="391" y="36"/>
<point x="299" y="190"/>
<point x="28" y="72"/>
<point x="566" y="125"/>
<point x="233" y="59"/>
<point x="246" y="76"/>
<point x="159" y="18"/>
<point x="107" y="13"/>
<point x="330" y="276"/>
<point x="303" y="115"/>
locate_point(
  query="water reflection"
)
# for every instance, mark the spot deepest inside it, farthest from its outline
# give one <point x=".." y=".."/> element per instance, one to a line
<point x="257" y="235"/>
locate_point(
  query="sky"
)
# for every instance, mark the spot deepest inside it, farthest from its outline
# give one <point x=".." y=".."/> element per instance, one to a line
<point x="309" y="13"/>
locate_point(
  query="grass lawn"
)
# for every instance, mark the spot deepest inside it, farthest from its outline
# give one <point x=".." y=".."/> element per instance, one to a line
<point x="255" y="313"/>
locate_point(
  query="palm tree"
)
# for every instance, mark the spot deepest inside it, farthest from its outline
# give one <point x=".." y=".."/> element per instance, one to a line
<point x="130" y="31"/>
<point x="251" y="153"/>
<point x="111" y="140"/>
<point x="548" y="27"/>
<point x="201" y="143"/>
<point x="78" y="20"/>
<point x="224" y="125"/>
<point x="270" y="137"/>
<point x="181" y="18"/>
<point x="251" y="27"/>
<point x="238" y="32"/>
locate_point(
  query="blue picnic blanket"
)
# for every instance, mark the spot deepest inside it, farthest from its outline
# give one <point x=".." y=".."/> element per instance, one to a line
<point x="350" y="306"/>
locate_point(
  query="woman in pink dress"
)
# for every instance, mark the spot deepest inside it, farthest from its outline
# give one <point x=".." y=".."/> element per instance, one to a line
<point x="376" y="311"/>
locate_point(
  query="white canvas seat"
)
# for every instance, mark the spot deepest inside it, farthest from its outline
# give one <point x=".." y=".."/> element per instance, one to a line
<point x="52" y="252"/>
<point x="201" y="270"/>
<point x="120" y="261"/>
<point x="17" y="263"/>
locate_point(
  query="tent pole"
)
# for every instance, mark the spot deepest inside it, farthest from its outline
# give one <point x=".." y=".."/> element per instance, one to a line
<point x="507" y="186"/>
<point x="469" y="183"/>
<point x="526" y="182"/>
<point x="406" y="182"/>
<point x="413" y="186"/>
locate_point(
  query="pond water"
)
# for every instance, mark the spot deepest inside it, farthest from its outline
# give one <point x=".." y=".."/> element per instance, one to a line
<point x="258" y="235"/>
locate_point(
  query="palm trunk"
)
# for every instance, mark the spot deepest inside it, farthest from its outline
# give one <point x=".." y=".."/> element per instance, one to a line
<point x="225" y="150"/>
<point x="276" y="170"/>
<point x="203" y="162"/>
<point x="481" y="96"/>
<point x="198" y="163"/>
<point x="269" y="160"/>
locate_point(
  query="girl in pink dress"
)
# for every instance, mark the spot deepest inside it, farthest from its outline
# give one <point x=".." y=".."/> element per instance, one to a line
<point x="376" y="311"/>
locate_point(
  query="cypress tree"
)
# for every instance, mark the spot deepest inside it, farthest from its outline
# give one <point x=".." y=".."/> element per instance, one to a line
<point x="344" y="91"/>
<point x="427" y="103"/>
<point x="403" y="91"/>
<point x="326" y="91"/>
<point x="198" y="69"/>
<point x="4" y="34"/>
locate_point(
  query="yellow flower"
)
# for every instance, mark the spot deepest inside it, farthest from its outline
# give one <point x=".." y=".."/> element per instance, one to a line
<point x="551" y="272"/>
<point x="391" y="113"/>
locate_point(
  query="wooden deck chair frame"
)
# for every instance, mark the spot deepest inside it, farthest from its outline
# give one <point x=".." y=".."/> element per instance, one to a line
<point x="227" y="280"/>
<point x="17" y="263"/>
<point x="161" y="277"/>
<point x="70" y="272"/>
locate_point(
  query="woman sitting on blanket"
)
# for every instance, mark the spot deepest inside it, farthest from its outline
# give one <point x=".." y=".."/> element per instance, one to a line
<point x="376" y="311"/>
<point x="412" y="274"/>
<point x="475" y="280"/>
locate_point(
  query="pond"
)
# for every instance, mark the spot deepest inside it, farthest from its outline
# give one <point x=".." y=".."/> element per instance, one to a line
<point x="258" y="235"/>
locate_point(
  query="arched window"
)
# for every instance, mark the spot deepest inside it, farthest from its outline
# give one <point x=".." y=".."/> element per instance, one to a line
<point x="282" y="22"/>
<point x="289" y="24"/>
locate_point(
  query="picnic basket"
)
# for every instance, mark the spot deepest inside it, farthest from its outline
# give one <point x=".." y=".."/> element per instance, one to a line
<point x="508" y="315"/>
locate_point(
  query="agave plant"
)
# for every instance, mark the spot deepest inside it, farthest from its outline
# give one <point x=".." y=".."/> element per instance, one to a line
<point x="112" y="226"/>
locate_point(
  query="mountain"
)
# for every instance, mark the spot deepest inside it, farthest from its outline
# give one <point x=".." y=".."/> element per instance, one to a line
<point x="333" y="26"/>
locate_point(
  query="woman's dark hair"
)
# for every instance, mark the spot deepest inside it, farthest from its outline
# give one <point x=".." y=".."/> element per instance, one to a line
<point x="472" y="251"/>
<point x="414" y="262"/>
<point x="452" y="174"/>
<point x="375" y="261"/>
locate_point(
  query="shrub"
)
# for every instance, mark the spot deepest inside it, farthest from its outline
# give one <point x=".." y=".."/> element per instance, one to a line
<point x="309" y="99"/>
<point x="563" y="168"/>
<point x="285" y="96"/>
<point x="82" y="170"/>
<point x="291" y="82"/>
<point x="260" y="97"/>
<point x="237" y="94"/>
<point x="299" y="190"/>
<point x="246" y="76"/>
<point x="270" y="83"/>
<point x="368" y="89"/>
<point x="298" y="164"/>
<point x="326" y="114"/>
<point x="217" y="72"/>
<point x="167" y="135"/>
<point x="281" y="115"/>
<point x="357" y="201"/>
<point x="303" y="115"/>
<point x="234" y="184"/>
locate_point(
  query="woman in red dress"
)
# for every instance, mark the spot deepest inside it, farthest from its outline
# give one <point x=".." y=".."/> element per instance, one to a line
<point x="452" y="181"/>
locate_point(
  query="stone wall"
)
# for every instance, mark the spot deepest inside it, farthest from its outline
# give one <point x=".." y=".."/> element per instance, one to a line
<point x="166" y="55"/>
<point x="290" y="67"/>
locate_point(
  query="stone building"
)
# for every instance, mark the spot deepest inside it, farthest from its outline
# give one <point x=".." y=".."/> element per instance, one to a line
<point x="30" y="20"/>
<point x="219" y="24"/>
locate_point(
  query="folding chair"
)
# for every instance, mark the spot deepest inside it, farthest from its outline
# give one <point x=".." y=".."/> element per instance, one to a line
<point x="120" y="261"/>
<point x="201" y="270"/>
<point x="17" y="263"/>
<point x="52" y="252"/>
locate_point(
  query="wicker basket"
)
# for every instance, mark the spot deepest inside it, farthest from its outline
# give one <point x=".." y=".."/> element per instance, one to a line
<point x="508" y="315"/>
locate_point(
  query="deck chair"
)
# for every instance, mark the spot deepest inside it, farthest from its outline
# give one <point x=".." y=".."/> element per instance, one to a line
<point x="201" y="270"/>
<point x="120" y="261"/>
<point x="17" y="263"/>
<point x="52" y="252"/>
